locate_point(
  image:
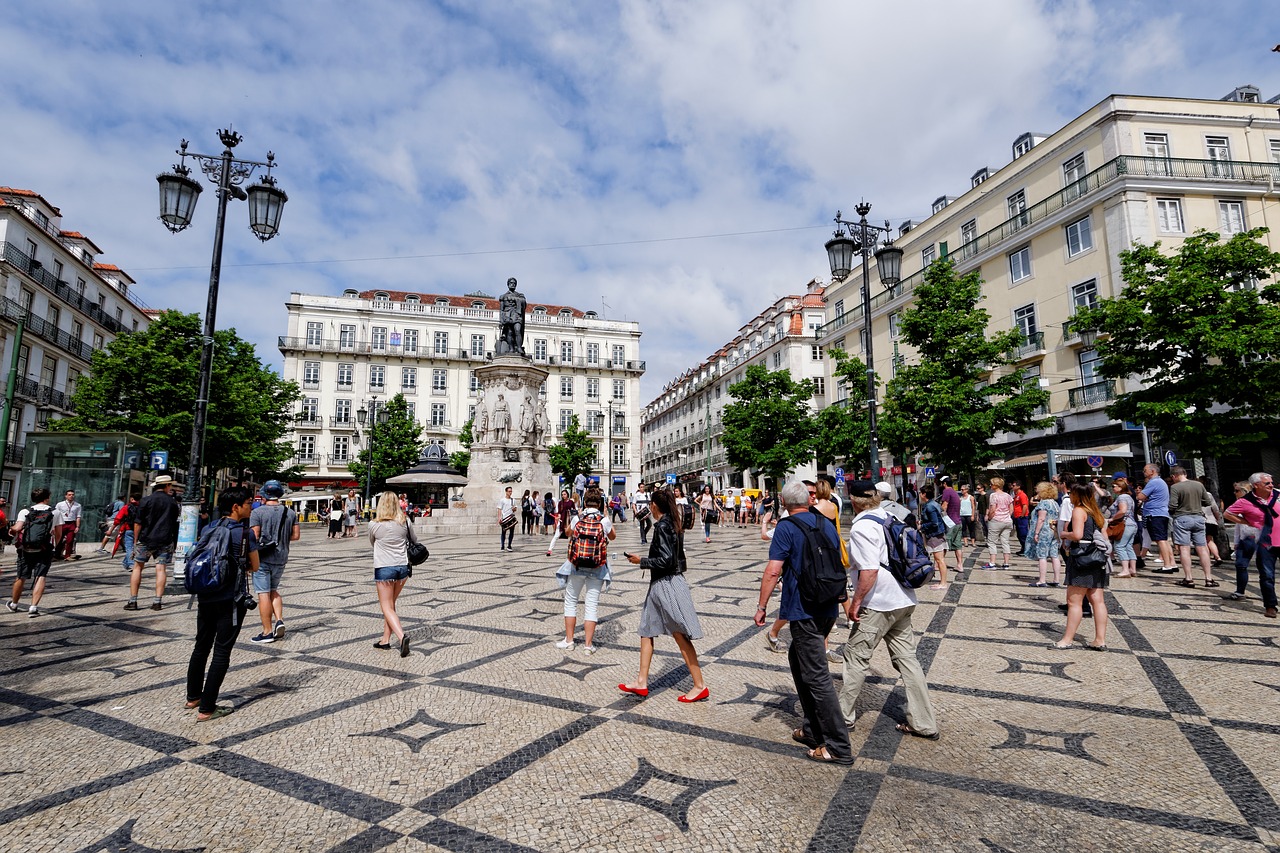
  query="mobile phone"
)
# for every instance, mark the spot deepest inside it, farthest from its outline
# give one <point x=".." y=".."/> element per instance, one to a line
<point x="627" y="555"/>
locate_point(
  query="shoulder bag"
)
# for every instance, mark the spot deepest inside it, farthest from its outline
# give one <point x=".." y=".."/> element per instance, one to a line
<point x="417" y="552"/>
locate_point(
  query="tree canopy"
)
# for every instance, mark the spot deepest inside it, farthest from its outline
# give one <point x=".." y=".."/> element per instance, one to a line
<point x="769" y="427"/>
<point x="461" y="459"/>
<point x="574" y="454"/>
<point x="842" y="431"/>
<point x="395" y="444"/>
<point x="964" y="387"/>
<point x="146" y="382"/>
<point x="1200" y="329"/>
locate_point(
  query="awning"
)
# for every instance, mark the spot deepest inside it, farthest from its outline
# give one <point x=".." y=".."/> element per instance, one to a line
<point x="428" y="478"/>
<point x="1112" y="451"/>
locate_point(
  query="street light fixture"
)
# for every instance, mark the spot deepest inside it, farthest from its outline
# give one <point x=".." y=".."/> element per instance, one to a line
<point x="840" y="250"/>
<point x="381" y="416"/>
<point x="178" y="195"/>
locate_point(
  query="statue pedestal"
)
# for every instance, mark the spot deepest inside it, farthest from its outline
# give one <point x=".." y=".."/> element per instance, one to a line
<point x="511" y="449"/>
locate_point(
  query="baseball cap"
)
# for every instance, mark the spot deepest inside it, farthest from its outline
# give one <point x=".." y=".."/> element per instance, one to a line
<point x="945" y="478"/>
<point x="861" y="489"/>
<point x="1120" y="475"/>
<point x="884" y="488"/>
<point x="273" y="489"/>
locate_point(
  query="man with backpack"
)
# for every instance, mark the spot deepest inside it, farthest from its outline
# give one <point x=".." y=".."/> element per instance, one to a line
<point x="880" y="609"/>
<point x="155" y="536"/>
<point x="37" y="528"/>
<point x="274" y="526"/>
<point x="222" y="607"/>
<point x="805" y="555"/>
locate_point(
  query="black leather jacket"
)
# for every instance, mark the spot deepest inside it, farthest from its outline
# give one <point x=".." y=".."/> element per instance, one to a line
<point x="666" y="552"/>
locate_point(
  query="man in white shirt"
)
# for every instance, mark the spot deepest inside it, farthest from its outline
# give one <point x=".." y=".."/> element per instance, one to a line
<point x="35" y="548"/>
<point x="64" y="546"/>
<point x="640" y="506"/>
<point x="880" y="608"/>
<point x="507" y="521"/>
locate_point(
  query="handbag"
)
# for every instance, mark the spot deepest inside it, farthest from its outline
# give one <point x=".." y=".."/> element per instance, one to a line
<point x="1115" y="528"/>
<point x="417" y="552"/>
<point x="1087" y="556"/>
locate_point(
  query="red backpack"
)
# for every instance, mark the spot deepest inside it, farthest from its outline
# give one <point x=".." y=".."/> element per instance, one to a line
<point x="587" y="545"/>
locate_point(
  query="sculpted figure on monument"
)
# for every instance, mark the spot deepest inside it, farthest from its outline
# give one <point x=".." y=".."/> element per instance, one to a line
<point x="542" y="427"/>
<point x="527" y="420"/>
<point x="480" y="431"/>
<point x="501" y="419"/>
<point x="511" y="307"/>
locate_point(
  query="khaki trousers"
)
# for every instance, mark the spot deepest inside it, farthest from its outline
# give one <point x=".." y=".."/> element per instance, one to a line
<point x="894" y="627"/>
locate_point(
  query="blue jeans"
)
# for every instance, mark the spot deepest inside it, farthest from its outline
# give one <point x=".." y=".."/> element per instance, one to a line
<point x="1021" y="526"/>
<point x="127" y="543"/>
<point x="1266" y="561"/>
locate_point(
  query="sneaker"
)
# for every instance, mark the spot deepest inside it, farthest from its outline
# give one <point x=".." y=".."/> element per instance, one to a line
<point x="591" y="650"/>
<point x="102" y="550"/>
<point x="279" y="629"/>
<point x="13" y="607"/>
<point x="565" y="644"/>
<point x="263" y="639"/>
<point x="131" y="605"/>
<point x="33" y="611"/>
<point x="834" y="657"/>
<point x="772" y="643"/>
<point x="1235" y="596"/>
<point x="988" y="566"/>
<point x="155" y="605"/>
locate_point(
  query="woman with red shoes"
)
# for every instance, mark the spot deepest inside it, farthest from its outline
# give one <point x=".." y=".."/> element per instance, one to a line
<point x="668" y="607"/>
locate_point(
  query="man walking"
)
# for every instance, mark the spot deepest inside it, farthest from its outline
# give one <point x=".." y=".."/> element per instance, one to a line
<point x="37" y="528"/>
<point x="640" y="508"/>
<point x="65" y="544"/>
<point x="1187" y="500"/>
<point x="949" y="500"/>
<point x="1021" y="515"/>
<point x="506" y="522"/>
<point x="1258" y="509"/>
<point x="155" y="536"/>
<point x="110" y="524"/>
<point x="1154" y="497"/>
<point x="580" y="486"/>
<point x="274" y="527"/>
<point x="881" y="609"/>
<point x="823" y="730"/>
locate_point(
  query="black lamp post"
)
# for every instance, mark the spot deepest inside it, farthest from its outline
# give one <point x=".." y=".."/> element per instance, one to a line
<point x="178" y="195"/>
<point x="367" y="419"/>
<point x="840" y="250"/>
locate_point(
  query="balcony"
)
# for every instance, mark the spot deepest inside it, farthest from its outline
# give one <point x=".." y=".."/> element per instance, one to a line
<point x="1092" y="394"/>
<point x="438" y="425"/>
<point x="339" y="459"/>
<point x="342" y="422"/>
<point x="1033" y="345"/>
<point x="307" y="420"/>
<point x="311" y="385"/>
<point x="306" y="459"/>
<point x="65" y="292"/>
<point x="46" y="330"/>
<point x="345" y="386"/>
<point x="621" y="431"/>
<point x="409" y="390"/>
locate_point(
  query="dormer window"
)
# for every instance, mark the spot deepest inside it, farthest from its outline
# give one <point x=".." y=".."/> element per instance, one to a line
<point x="351" y="292"/>
<point x="381" y="296"/>
<point x="1023" y="144"/>
<point x="590" y="315"/>
<point x="412" y="299"/>
<point x="538" y="309"/>
<point x="979" y="176"/>
<point x="440" y="300"/>
<point x="565" y="312"/>
<point x="477" y="305"/>
<point x="939" y="203"/>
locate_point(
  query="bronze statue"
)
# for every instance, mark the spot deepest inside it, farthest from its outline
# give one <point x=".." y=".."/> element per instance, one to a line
<point x="511" y="307"/>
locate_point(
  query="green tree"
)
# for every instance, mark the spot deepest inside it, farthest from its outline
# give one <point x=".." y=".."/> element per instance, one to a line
<point x="843" y="434"/>
<point x="965" y="387"/>
<point x="1200" y="329"/>
<point x="146" y="382"/>
<point x="574" y="453"/>
<point x="395" y="444"/>
<point x="461" y="459"/>
<point x="769" y="427"/>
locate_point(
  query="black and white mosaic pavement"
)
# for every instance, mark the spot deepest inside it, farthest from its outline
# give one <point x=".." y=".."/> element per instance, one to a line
<point x="488" y="738"/>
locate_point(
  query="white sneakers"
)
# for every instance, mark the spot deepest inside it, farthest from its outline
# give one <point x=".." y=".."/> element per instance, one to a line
<point x="565" y="644"/>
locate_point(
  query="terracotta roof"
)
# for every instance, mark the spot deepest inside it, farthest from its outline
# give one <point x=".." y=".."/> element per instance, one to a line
<point x="466" y="301"/>
<point x="76" y="235"/>
<point x="29" y="194"/>
<point x="115" y="269"/>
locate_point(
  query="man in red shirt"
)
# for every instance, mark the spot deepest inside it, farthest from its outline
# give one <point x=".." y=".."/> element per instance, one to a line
<point x="1258" y="510"/>
<point x="1021" y="515"/>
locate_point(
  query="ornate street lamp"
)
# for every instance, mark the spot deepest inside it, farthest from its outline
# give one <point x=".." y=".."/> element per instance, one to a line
<point x="840" y="251"/>
<point x="367" y="419"/>
<point x="178" y="195"/>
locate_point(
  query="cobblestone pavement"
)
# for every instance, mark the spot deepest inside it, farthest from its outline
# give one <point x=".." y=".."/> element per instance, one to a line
<point x="488" y="738"/>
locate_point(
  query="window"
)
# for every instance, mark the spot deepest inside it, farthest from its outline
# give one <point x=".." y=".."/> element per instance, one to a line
<point x="377" y="377"/>
<point x="566" y="352"/>
<point x="619" y="455"/>
<point x="25" y="299"/>
<point x="1218" y="149"/>
<point x="1084" y="295"/>
<point x="593" y="390"/>
<point x="1023" y="145"/>
<point x="595" y="422"/>
<point x="477" y="346"/>
<point x="979" y="176"/>
<point x="409" y="378"/>
<point x="73" y="379"/>
<point x="306" y="448"/>
<point x="777" y="359"/>
<point x="341" y="448"/>
<point x="894" y="319"/>
<point x="1275" y="150"/>
<point x="378" y="338"/>
<point x="540" y="349"/>
<point x="411" y="341"/>
<point x="619" y="389"/>
<point x="471" y="412"/>
<point x="1079" y="237"/>
<point x="815" y="353"/>
<point x="939" y="203"/>
<point x="1018" y="208"/>
<point x="77" y="330"/>
<point x="620" y="352"/>
<point x="54" y="316"/>
<point x="381" y="296"/>
<point x="24" y="360"/>
<point x="440" y="344"/>
<point x="48" y="370"/>
<point x="1024" y="320"/>
<point x="1156" y="146"/>
<point x="1169" y="215"/>
<point x="439" y="381"/>
<point x="566" y="387"/>
<point x="1230" y="217"/>
<point x="311" y="374"/>
<point x="1020" y="264"/>
<point x="411" y="408"/>
<point x="346" y="376"/>
<point x="1073" y="176"/>
<point x="97" y="341"/>
<point x="969" y="232"/>
<point x="1090" y="367"/>
<point x="927" y="255"/>
<point x="310" y="408"/>
<point x="347" y="337"/>
<point x="819" y="386"/>
<point x="839" y="308"/>
<point x="315" y="332"/>
<point x="473" y="383"/>
<point x="342" y="411"/>
<point x="593" y="354"/>
<point x="438" y="418"/>
<point x="566" y="416"/>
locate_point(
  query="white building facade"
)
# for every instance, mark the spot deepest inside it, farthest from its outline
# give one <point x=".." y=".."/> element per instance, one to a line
<point x="70" y="305"/>
<point x="682" y="427"/>
<point x="360" y="349"/>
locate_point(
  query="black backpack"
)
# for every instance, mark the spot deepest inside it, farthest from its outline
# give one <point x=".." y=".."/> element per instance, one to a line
<point x="822" y="579"/>
<point x="37" y="531"/>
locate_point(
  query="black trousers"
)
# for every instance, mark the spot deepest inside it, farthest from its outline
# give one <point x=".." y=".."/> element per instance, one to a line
<point x="526" y="523"/>
<point x="646" y="524"/>
<point x="506" y="536"/>
<point x="811" y="673"/>
<point x="217" y="626"/>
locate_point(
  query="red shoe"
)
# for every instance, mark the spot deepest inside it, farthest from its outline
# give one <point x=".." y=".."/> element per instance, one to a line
<point x="706" y="691"/>
<point x="639" y="691"/>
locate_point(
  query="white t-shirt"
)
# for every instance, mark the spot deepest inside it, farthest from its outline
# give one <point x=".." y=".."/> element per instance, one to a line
<point x="868" y="550"/>
<point x="1064" y="515"/>
<point x="507" y="506"/>
<point x="70" y="511"/>
<point x="608" y="525"/>
<point x="640" y="498"/>
<point x="22" y="515"/>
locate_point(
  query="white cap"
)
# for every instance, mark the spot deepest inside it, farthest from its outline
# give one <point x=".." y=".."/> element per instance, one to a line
<point x="884" y="488"/>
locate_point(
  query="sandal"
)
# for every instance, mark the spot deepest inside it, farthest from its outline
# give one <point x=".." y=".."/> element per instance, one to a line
<point x="1188" y="584"/>
<point x="216" y="713"/>
<point x="1211" y="584"/>
<point x="1041" y="584"/>
<point x="821" y="756"/>
<point x="1091" y="647"/>
<point x="939" y="586"/>
<point x="798" y="737"/>
<point x="194" y="703"/>
<point x="1061" y="647"/>
<point x="907" y="730"/>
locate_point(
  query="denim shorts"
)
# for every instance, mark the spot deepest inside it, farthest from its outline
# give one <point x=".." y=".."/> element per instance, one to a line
<point x="163" y="556"/>
<point x="1188" y="530"/>
<point x="391" y="573"/>
<point x="267" y="578"/>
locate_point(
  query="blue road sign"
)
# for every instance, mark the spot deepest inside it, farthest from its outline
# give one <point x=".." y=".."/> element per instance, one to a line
<point x="671" y="479"/>
<point x="840" y="474"/>
<point x="1130" y="425"/>
<point x="132" y="458"/>
<point x="1170" y="458"/>
<point x="1094" y="461"/>
<point x="159" y="460"/>
<point x="931" y="472"/>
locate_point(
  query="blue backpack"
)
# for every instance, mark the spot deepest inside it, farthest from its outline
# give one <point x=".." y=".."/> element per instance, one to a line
<point x="210" y="566"/>
<point x="909" y="560"/>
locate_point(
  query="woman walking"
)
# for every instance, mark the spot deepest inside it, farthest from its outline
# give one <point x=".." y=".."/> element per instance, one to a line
<point x="1087" y="574"/>
<point x="1042" y="544"/>
<point x="335" y="517"/>
<point x="968" y="514"/>
<point x="999" y="523"/>
<point x="668" y="606"/>
<point x="585" y="582"/>
<point x="548" y="512"/>
<point x="566" y="511"/>
<point x="1123" y="508"/>
<point x="526" y="514"/>
<point x="934" y="531"/>
<point x="710" y="508"/>
<point x="390" y="534"/>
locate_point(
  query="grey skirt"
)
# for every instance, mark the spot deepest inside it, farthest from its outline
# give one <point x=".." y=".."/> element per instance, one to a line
<point x="1087" y="578"/>
<point x="668" y="609"/>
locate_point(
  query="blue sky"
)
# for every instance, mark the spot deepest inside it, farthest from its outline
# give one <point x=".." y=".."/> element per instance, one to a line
<point x="438" y="137"/>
